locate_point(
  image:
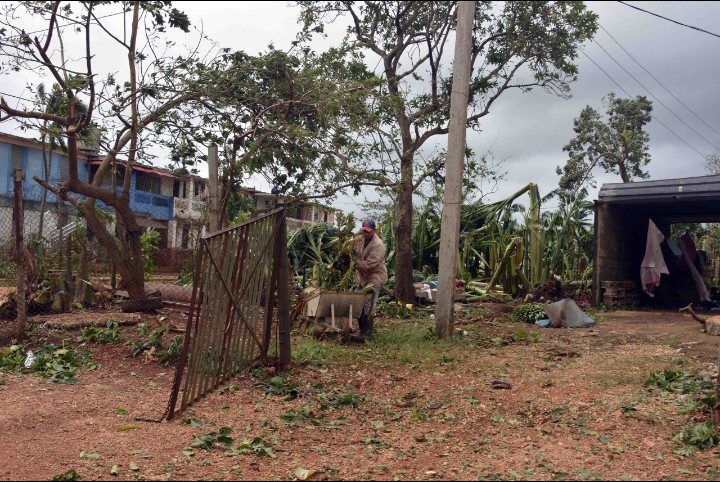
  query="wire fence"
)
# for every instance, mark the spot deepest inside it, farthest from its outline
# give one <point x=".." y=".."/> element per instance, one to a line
<point x="67" y="268"/>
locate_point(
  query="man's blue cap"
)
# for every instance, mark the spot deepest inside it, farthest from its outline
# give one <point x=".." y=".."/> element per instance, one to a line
<point x="368" y="224"/>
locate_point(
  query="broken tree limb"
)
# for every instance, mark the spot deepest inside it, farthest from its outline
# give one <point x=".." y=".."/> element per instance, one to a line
<point x="689" y="310"/>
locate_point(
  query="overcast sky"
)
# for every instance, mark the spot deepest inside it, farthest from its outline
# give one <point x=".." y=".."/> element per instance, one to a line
<point x="528" y="130"/>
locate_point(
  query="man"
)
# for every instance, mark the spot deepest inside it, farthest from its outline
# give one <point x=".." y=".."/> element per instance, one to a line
<point x="370" y="270"/>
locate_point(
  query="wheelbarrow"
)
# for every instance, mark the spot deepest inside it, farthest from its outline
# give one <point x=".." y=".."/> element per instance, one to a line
<point x="326" y="307"/>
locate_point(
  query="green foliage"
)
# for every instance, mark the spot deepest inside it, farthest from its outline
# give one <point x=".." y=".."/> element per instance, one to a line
<point x="523" y="337"/>
<point x="8" y="266"/>
<point x="57" y="363"/>
<point x="394" y="309"/>
<point x="110" y="334"/>
<point x="339" y="400"/>
<point x="529" y="313"/>
<point x="412" y="98"/>
<point x="209" y="440"/>
<point x="703" y="436"/>
<point x="323" y="253"/>
<point x="149" y="242"/>
<point x="306" y="415"/>
<point x="171" y="355"/>
<point x="280" y="386"/>
<point x="256" y="446"/>
<point x="618" y="144"/>
<point x="67" y="476"/>
<point x="153" y="341"/>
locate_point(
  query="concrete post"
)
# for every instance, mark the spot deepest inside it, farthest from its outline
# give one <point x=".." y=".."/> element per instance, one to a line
<point x="19" y="217"/>
<point x="450" y="224"/>
<point x="213" y="188"/>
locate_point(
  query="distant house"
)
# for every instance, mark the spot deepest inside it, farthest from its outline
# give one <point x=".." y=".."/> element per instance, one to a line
<point x="299" y="214"/>
<point x="174" y="204"/>
<point x="27" y="154"/>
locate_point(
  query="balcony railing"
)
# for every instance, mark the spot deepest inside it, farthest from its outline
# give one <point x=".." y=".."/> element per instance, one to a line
<point x="154" y="205"/>
<point x="188" y="209"/>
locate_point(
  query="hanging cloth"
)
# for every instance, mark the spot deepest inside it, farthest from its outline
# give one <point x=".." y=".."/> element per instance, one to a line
<point x="653" y="264"/>
<point x="702" y="290"/>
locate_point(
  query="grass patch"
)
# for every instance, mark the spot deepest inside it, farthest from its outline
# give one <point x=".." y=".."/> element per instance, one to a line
<point x="318" y="353"/>
<point x="415" y="343"/>
<point x="407" y="342"/>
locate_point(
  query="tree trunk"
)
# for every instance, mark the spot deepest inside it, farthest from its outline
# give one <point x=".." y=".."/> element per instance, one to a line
<point x="403" y="235"/>
<point x="623" y="172"/>
<point x="125" y="251"/>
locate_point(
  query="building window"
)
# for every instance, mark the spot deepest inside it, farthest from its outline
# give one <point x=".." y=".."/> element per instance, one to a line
<point x="199" y="187"/>
<point x="17" y="157"/>
<point x="147" y="183"/>
<point x="185" y="237"/>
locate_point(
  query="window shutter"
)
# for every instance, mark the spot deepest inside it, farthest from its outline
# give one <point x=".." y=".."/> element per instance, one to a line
<point x="17" y="157"/>
<point x="64" y="169"/>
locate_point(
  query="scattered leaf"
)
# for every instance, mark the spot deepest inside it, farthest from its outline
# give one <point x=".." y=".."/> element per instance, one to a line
<point x="304" y="474"/>
<point x="69" y="475"/>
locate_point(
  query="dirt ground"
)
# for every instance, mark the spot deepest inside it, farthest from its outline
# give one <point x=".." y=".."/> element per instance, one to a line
<point x="578" y="409"/>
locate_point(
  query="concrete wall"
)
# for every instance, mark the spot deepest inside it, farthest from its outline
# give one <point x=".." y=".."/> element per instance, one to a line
<point x="620" y="236"/>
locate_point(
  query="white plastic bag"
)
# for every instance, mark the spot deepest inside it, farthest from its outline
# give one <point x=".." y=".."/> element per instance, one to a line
<point x="29" y="359"/>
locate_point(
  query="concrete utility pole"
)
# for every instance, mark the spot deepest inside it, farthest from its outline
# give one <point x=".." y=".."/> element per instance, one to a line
<point x="450" y="227"/>
<point x="19" y="217"/>
<point x="213" y="188"/>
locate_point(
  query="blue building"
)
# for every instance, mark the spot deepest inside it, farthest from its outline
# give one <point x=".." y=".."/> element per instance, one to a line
<point x="174" y="206"/>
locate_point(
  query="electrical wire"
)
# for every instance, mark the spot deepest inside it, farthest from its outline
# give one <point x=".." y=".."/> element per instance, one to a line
<point x="628" y="94"/>
<point x="670" y="20"/>
<point x="654" y="97"/>
<point x="65" y="25"/>
<point x="658" y="81"/>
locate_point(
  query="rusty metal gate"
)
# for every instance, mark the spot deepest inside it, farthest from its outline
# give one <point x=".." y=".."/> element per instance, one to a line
<point x="240" y="278"/>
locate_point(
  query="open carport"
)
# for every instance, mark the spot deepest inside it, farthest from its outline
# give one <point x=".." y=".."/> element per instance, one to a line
<point x="622" y="212"/>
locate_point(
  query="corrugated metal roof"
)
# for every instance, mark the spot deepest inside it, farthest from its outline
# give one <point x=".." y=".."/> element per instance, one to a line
<point x="665" y="190"/>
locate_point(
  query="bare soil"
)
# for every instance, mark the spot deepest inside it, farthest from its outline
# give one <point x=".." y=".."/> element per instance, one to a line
<point x="427" y="418"/>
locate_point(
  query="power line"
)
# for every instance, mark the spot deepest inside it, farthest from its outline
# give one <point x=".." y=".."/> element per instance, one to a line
<point x="15" y="97"/>
<point x="658" y="81"/>
<point x="66" y="25"/>
<point x="628" y="94"/>
<point x="654" y="97"/>
<point x="670" y="20"/>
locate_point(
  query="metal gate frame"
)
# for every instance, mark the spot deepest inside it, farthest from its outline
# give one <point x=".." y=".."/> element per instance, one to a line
<point x="221" y="337"/>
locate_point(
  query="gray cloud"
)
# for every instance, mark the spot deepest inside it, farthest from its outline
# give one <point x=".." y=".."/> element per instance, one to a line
<point x="529" y="130"/>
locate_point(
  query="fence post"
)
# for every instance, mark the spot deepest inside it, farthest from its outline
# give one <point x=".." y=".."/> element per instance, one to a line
<point x="283" y="295"/>
<point x="213" y="197"/>
<point x="19" y="215"/>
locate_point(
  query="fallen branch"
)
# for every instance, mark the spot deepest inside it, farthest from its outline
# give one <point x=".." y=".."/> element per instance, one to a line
<point x="689" y="310"/>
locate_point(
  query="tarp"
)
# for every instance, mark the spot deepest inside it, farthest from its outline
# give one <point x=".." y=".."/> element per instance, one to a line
<point x="567" y="313"/>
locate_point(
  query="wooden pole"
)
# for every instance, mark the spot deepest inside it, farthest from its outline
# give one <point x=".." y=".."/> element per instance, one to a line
<point x="19" y="216"/>
<point x="450" y="224"/>
<point x="213" y="188"/>
<point x="283" y="294"/>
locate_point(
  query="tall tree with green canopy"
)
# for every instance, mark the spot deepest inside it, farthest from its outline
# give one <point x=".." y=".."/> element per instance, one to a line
<point x="287" y="116"/>
<point x="516" y="46"/>
<point x="617" y="143"/>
